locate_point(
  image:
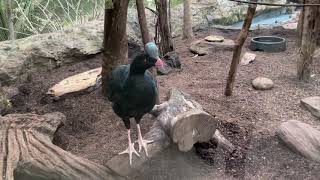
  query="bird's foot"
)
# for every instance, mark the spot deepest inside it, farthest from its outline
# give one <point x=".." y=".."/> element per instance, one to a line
<point x="129" y="151"/>
<point x="143" y="143"/>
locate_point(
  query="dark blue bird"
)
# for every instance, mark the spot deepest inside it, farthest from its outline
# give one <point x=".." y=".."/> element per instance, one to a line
<point x="133" y="92"/>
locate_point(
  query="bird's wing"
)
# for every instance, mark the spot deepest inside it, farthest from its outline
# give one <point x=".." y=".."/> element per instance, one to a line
<point x="153" y="80"/>
<point x="116" y="83"/>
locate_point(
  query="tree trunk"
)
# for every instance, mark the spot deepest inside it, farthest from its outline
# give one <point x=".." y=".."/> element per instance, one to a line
<point x="318" y="29"/>
<point x="300" y="25"/>
<point x="143" y="22"/>
<point x="308" y="41"/>
<point x="187" y="21"/>
<point x="170" y="23"/>
<point x="115" y="50"/>
<point x="27" y="151"/>
<point x="238" y="48"/>
<point x="166" y="44"/>
<point x="10" y="20"/>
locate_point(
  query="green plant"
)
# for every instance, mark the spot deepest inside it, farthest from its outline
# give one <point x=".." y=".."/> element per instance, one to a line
<point x="42" y="16"/>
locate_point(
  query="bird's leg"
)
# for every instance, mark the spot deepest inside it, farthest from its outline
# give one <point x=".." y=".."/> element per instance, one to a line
<point x="142" y="143"/>
<point x="130" y="148"/>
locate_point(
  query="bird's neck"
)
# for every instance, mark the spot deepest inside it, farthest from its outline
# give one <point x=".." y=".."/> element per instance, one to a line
<point x="136" y="71"/>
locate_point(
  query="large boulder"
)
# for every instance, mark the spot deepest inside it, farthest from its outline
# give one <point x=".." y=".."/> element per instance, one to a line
<point x="47" y="51"/>
<point x="312" y="104"/>
<point x="300" y="137"/>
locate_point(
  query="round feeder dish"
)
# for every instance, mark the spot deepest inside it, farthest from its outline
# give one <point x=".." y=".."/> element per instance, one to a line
<point x="268" y="44"/>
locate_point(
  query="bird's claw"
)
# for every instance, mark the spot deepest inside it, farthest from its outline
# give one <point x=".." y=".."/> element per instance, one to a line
<point x="143" y="143"/>
<point x="129" y="151"/>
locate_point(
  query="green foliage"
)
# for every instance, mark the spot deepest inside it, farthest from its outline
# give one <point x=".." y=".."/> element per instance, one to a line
<point x="42" y="16"/>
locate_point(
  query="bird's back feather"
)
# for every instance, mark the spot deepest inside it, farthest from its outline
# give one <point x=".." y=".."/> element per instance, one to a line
<point x="131" y="95"/>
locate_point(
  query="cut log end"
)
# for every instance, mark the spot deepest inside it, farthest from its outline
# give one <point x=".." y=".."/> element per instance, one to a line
<point x="185" y="122"/>
<point x="193" y="126"/>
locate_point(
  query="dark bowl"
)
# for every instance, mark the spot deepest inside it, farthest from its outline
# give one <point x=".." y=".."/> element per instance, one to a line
<point x="268" y="44"/>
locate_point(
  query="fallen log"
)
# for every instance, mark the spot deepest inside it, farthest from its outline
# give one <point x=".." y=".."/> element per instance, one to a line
<point x="180" y="120"/>
<point x="27" y="152"/>
<point x="86" y="81"/>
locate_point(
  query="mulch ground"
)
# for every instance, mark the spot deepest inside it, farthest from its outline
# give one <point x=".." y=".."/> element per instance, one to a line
<point x="248" y="118"/>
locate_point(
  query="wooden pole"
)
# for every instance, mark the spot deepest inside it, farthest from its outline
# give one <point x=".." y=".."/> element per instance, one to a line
<point x="238" y="48"/>
<point x="308" y="41"/>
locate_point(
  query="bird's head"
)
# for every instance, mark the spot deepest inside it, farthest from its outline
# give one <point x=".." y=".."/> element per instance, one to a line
<point x="146" y="60"/>
<point x="152" y="51"/>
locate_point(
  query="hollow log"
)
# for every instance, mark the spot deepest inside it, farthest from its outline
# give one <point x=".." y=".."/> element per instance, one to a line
<point x="185" y="121"/>
<point x="27" y="152"/>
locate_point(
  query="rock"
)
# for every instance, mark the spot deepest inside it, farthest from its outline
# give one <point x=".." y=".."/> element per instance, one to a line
<point x="290" y="25"/>
<point x="202" y="47"/>
<point x="262" y="83"/>
<point x="5" y="104"/>
<point x="312" y="104"/>
<point x="172" y="59"/>
<point x="164" y="70"/>
<point x="248" y="58"/>
<point x="301" y="138"/>
<point x="317" y="53"/>
<point x="11" y="91"/>
<point x="47" y="51"/>
<point x="213" y="38"/>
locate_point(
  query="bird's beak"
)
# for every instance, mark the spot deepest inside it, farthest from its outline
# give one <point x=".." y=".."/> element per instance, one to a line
<point x="159" y="63"/>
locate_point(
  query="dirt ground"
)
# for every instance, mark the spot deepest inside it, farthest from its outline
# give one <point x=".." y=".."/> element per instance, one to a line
<point x="248" y="118"/>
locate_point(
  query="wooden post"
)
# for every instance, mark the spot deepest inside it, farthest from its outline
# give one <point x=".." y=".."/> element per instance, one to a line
<point x="238" y="48"/>
<point x="308" y="41"/>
